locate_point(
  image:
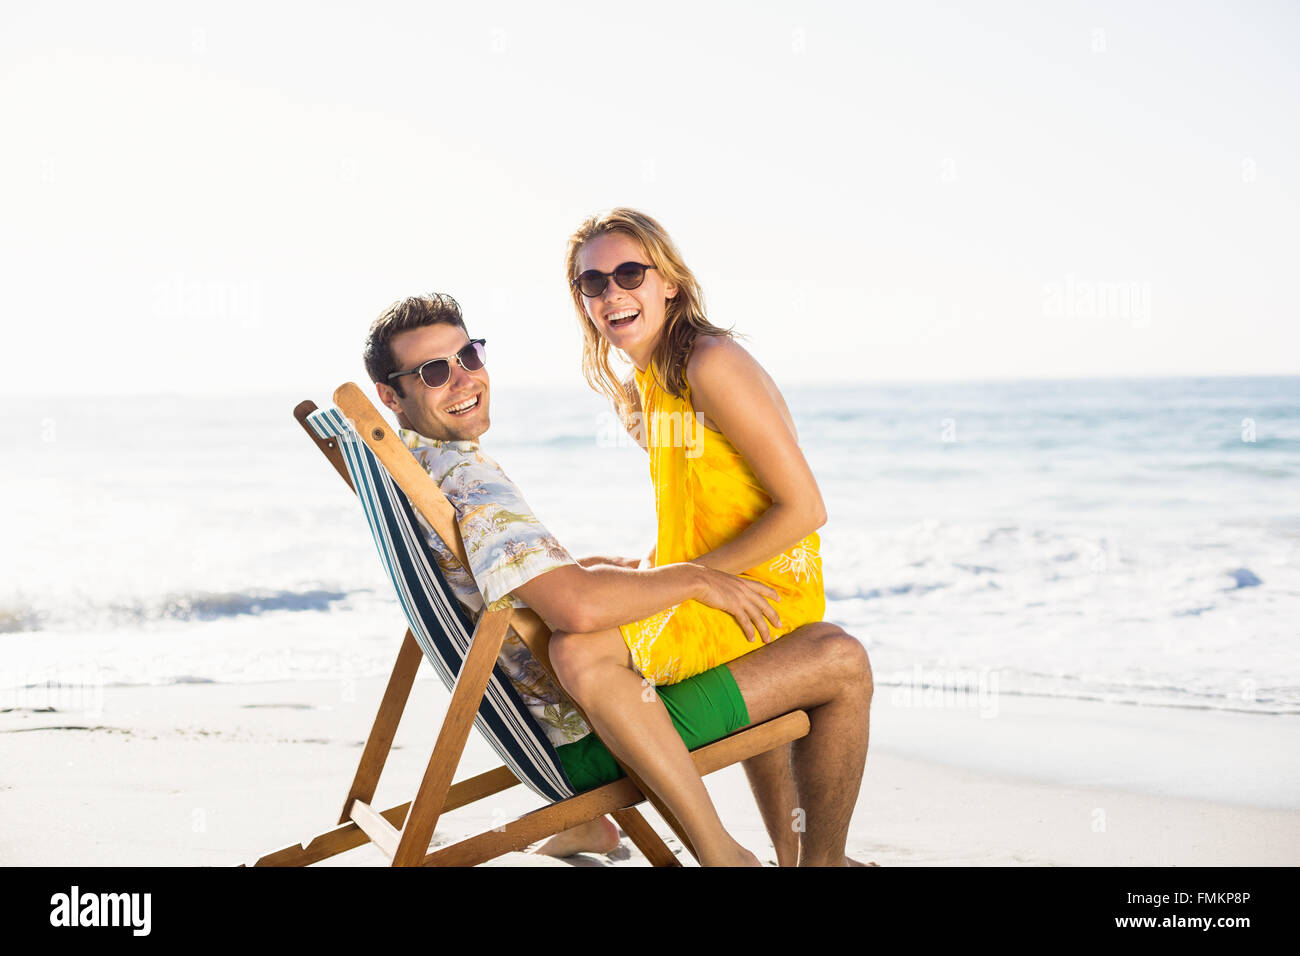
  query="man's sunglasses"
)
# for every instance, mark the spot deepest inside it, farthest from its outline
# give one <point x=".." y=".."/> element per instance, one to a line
<point x="436" y="373"/>
<point x="628" y="276"/>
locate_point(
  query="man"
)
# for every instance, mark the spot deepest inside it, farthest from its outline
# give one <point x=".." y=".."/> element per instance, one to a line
<point x="433" y="376"/>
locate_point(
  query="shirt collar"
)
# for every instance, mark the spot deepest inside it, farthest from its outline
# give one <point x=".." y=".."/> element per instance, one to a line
<point x="413" y="440"/>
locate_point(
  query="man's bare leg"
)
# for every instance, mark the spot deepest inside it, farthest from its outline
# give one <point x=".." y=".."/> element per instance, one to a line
<point x="596" y="669"/>
<point x="772" y="782"/>
<point x="821" y="669"/>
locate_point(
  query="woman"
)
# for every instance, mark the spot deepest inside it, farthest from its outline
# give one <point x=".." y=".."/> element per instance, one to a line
<point x="733" y="492"/>
<point x="732" y="487"/>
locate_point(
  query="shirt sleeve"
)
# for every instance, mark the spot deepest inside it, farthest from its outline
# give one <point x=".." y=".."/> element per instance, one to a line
<point x="507" y="546"/>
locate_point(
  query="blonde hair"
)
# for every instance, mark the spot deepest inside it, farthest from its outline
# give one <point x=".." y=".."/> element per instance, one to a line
<point x="684" y="317"/>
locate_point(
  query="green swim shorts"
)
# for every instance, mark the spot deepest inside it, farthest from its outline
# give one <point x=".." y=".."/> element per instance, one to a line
<point x="704" y="708"/>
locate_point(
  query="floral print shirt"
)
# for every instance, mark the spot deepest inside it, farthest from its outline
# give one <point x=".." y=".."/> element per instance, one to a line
<point x="506" y="547"/>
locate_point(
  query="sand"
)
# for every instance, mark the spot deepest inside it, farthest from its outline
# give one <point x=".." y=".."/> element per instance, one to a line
<point x="218" y="774"/>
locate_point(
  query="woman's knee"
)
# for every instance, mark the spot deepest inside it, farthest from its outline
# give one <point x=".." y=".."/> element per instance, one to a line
<point x="565" y="652"/>
<point x="576" y="659"/>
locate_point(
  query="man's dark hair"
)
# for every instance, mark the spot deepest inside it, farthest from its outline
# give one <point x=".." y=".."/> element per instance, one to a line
<point x="413" y="312"/>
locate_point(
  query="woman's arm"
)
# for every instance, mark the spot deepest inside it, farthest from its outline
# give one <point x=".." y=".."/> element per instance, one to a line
<point x="738" y="398"/>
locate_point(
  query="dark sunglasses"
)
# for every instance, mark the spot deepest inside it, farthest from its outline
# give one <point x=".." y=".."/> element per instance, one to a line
<point x="436" y="373"/>
<point x="628" y="276"/>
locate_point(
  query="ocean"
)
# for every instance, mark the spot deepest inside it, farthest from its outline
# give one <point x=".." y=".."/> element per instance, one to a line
<point x="1133" y="540"/>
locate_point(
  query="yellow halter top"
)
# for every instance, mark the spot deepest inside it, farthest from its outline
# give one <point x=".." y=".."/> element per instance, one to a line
<point x="705" y="495"/>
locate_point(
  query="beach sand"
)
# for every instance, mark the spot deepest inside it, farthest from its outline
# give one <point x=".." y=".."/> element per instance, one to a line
<point x="219" y="774"/>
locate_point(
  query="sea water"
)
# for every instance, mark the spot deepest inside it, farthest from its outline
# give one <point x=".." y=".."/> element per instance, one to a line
<point x="1129" y="540"/>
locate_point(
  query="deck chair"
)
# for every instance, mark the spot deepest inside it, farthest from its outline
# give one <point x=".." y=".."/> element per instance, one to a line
<point x="391" y="485"/>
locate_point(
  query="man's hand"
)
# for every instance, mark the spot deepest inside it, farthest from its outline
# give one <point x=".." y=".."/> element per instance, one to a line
<point x="745" y="600"/>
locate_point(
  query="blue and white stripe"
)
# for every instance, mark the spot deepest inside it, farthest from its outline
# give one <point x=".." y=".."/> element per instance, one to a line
<point x="437" y="619"/>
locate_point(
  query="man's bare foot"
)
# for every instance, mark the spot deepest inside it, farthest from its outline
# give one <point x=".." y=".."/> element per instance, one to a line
<point x="848" y="861"/>
<point x="598" y="836"/>
<point x="787" y="854"/>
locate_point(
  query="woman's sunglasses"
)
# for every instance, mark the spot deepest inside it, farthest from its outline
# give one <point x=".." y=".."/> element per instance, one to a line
<point x="436" y="373"/>
<point x="628" y="276"/>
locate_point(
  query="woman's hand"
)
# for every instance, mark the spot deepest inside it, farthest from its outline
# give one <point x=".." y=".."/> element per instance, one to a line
<point x="745" y="600"/>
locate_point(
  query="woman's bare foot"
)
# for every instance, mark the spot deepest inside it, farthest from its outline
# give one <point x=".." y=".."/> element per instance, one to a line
<point x="849" y="861"/>
<point x="598" y="836"/>
<point x="734" y="855"/>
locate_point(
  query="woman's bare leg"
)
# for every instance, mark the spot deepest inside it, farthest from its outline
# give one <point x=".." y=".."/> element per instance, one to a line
<point x="596" y="669"/>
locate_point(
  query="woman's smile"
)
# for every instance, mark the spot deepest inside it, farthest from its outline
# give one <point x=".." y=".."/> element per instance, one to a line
<point x="622" y="318"/>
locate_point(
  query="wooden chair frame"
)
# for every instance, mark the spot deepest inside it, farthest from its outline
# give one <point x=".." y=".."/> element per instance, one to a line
<point x="404" y="832"/>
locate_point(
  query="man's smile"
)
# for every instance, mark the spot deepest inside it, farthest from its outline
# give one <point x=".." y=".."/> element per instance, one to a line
<point x="464" y="407"/>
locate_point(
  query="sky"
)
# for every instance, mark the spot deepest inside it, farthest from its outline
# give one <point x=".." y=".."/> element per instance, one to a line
<point x="219" y="198"/>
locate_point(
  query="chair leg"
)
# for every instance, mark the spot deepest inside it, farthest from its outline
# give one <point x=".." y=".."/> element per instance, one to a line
<point x="471" y="684"/>
<point x="349" y="836"/>
<point x="380" y="741"/>
<point x="644" y="837"/>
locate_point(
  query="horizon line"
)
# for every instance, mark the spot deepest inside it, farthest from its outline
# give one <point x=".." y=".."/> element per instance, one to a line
<point x="826" y="385"/>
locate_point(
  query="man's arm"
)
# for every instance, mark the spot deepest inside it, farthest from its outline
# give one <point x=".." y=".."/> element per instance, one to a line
<point x="582" y="600"/>
<point x="596" y="560"/>
<point x="634" y="563"/>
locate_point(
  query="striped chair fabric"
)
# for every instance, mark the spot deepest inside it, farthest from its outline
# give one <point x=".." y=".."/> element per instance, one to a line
<point x="436" y="618"/>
